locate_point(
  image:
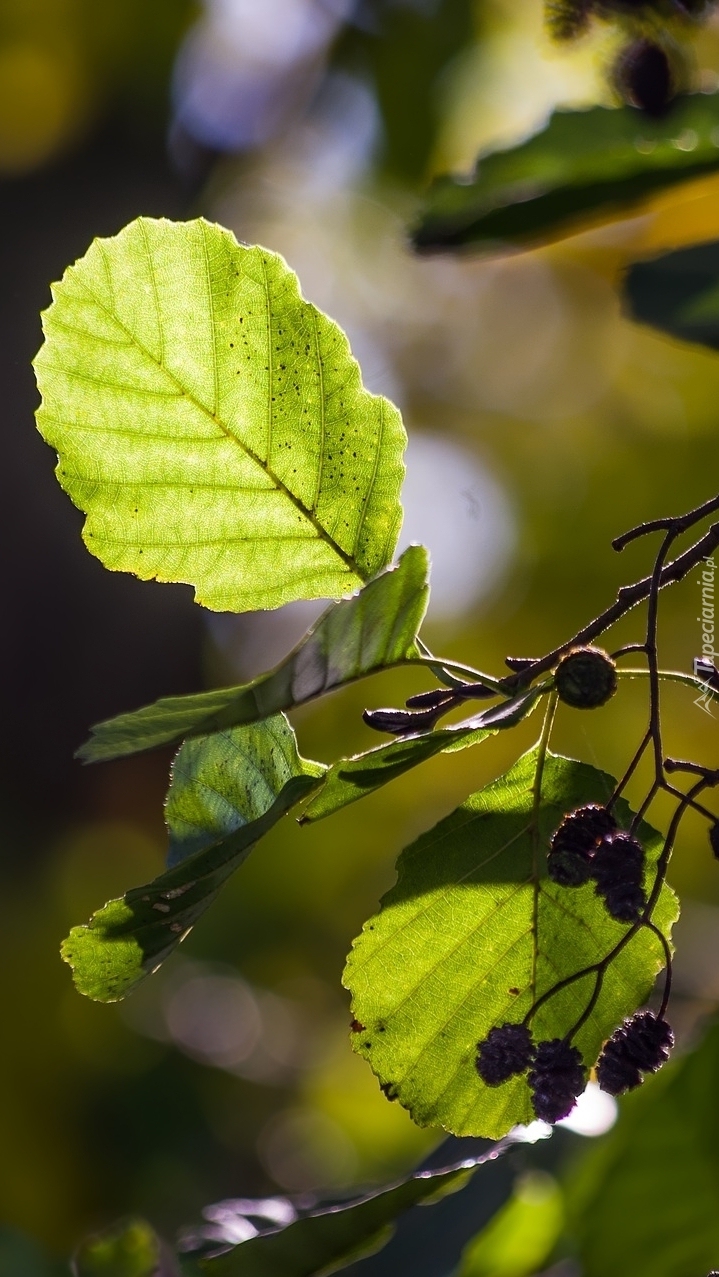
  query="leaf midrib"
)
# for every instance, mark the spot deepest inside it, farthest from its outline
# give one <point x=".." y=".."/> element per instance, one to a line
<point x="349" y="560"/>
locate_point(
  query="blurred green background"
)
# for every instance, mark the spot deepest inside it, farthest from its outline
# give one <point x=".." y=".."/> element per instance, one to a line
<point x="542" y="423"/>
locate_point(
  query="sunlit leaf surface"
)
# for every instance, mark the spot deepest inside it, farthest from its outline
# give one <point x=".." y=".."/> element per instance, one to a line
<point x="471" y="926"/>
<point x="351" y="778"/>
<point x="583" y="165"/>
<point x="227" y="791"/>
<point x="374" y="629"/>
<point x="212" y="424"/>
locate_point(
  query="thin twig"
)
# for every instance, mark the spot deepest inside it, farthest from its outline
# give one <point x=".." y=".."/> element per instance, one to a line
<point x="628" y="597"/>
<point x="681" y="522"/>
<point x="668" y="978"/>
<point x="698" y="807"/>
<point x="628" y="647"/>
<point x="542" y="747"/>
<point x="621" y="786"/>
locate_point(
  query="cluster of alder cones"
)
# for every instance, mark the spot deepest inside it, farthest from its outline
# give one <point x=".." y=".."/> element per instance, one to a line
<point x="554" y="1068"/>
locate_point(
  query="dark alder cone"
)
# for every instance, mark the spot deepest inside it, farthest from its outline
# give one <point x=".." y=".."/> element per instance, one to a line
<point x="615" y="1073"/>
<point x="572" y="844"/>
<point x="648" y="1041"/>
<point x="586" y="678"/>
<point x="624" y="901"/>
<point x="505" y="1051"/>
<point x="556" y="1079"/>
<point x="714" y="839"/>
<point x="569" y="868"/>
<point x="644" y="77"/>
<point x="618" y="870"/>
<point x="581" y="829"/>
<point x="640" y="1045"/>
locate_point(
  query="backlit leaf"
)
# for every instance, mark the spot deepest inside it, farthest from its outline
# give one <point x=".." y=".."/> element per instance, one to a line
<point x="212" y="424"/>
<point x="584" y="166"/>
<point x="375" y="629"/>
<point x="471" y="924"/>
<point x="227" y="791"/>
<point x="351" y="778"/>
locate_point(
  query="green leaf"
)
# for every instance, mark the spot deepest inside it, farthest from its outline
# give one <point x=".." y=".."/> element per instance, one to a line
<point x="375" y="629"/>
<point x="523" y="1233"/>
<point x="678" y="293"/>
<point x="351" y="778"/>
<point x="302" y="1243"/>
<point x="222" y="783"/>
<point x="472" y="922"/>
<point x="212" y="424"/>
<point x="584" y="165"/>
<point x="644" y="1201"/>
<point x="227" y="791"/>
<point x="130" y="1249"/>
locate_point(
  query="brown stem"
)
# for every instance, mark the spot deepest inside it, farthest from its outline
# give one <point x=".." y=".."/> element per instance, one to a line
<point x="628" y="597"/>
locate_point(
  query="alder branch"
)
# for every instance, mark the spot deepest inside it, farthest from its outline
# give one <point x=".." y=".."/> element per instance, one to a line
<point x="628" y="597"/>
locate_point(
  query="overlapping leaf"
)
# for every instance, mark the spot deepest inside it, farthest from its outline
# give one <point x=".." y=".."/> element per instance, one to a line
<point x="227" y="791"/>
<point x="678" y="293"/>
<point x="284" y="1241"/>
<point x="583" y="165"/>
<point x="212" y="424"/>
<point x="351" y="778"/>
<point x="471" y="926"/>
<point x="375" y="629"/>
